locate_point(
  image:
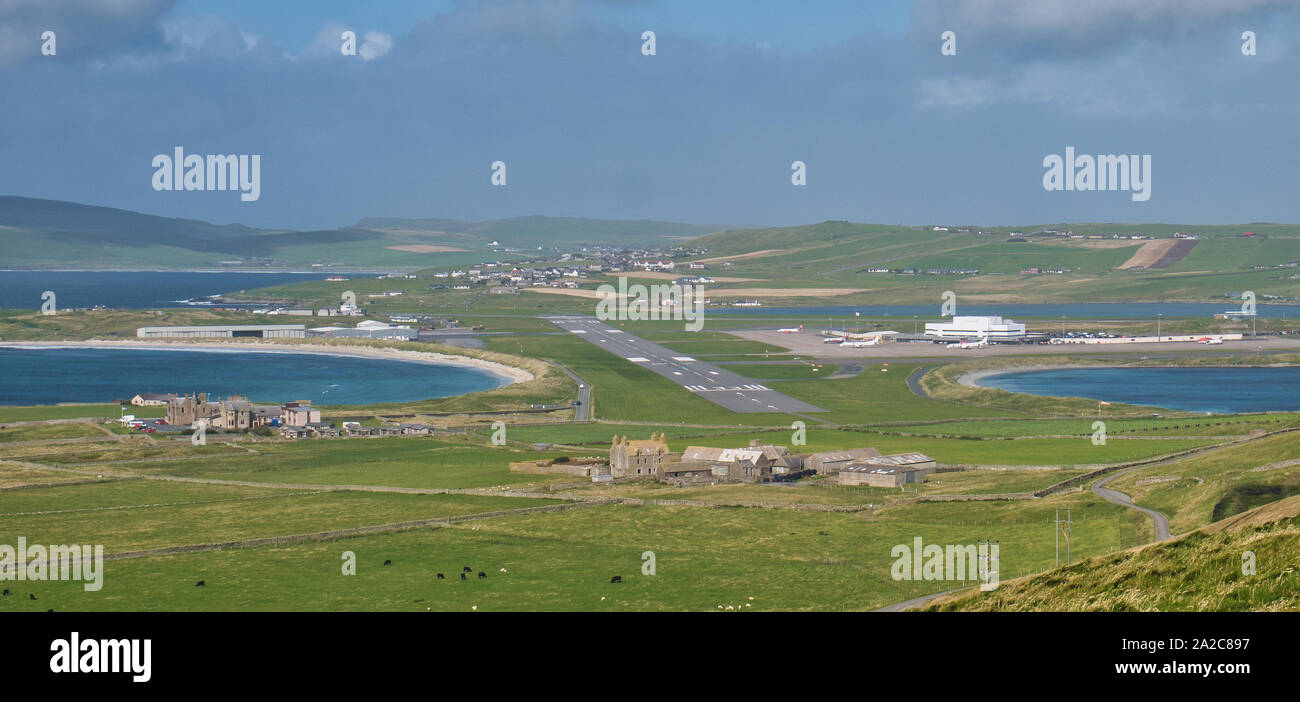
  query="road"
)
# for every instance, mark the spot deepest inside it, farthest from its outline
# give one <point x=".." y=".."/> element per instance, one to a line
<point x="721" y="387"/>
<point x="582" y="412"/>
<point x="1115" y="496"/>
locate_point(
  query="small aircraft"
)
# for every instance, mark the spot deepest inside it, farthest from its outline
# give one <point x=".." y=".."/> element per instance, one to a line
<point x="1210" y="340"/>
<point x="982" y="343"/>
<point x="791" y="330"/>
<point x="833" y="340"/>
<point x="873" y="341"/>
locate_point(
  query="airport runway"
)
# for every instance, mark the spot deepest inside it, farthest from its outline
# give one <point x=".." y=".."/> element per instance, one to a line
<point x="810" y="344"/>
<point x="722" y="387"/>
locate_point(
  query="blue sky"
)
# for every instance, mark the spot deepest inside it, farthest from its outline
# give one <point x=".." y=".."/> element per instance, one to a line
<point x="705" y="131"/>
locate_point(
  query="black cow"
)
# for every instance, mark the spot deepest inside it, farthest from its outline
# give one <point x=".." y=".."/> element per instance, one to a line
<point x="462" y="576"/>
<point x="482" y="575"/>
<point x="467" y="569"/>
<point x="31" y="596"/>
<point x="616" y="579"/>
<point x="6" y="593"/>
<point x="200" y="584"/>
<point x="388" y="562"/>
<point x="441" y="576"/>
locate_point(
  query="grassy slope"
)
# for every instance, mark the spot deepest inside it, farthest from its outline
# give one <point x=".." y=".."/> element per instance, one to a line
<point x="1202" y="571"/>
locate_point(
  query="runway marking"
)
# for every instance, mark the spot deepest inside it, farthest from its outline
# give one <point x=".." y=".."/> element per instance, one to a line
<point x="726" y="388"/>
<point x="638" y="359"/>
<point x="615" y="331"/>
<point x="578" y="331"/>
<point x="682" y="358"/>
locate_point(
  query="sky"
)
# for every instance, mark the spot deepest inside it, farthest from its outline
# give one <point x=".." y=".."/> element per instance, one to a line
<point x="889" y="128"/>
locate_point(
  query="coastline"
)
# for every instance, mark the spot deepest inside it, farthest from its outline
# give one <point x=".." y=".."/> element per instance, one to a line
<point x="971" y="379"/>
<point x="509" y="374"/>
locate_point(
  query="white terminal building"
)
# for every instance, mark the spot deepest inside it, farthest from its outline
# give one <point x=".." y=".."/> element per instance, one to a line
<point x="973" y="327"/>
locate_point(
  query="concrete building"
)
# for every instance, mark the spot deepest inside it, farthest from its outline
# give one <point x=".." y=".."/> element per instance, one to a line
<point x="830" y="462"/>
<point x="299" y="414"/>
<point x="974" y="327"/>
<point x="225" y="331"/>
<point x="888" y="471"/>
<point x="367" y="330"/>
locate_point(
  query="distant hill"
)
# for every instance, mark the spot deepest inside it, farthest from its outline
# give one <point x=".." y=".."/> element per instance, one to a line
<point x="537" y="230"/>
<point x="36" y="233"/>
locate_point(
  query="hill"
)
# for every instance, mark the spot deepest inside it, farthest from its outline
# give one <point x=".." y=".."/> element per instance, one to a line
<point x="537" y="230"/>
<point x="1199" y="571"/>
<point x="43" y="234"/>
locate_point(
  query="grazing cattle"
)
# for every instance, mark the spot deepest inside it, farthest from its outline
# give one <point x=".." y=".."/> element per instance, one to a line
<point x="462" y="576"/>
<point x="441" y="576"/>
<point x="6" y="593"/>
<point x="200" y="583"/>
<point x="31" y="596"/>
<point x="388" y="562"/>
<point x="467" y="569"/>
<point x="616" y="579"/>
<point x="482" y="575"/>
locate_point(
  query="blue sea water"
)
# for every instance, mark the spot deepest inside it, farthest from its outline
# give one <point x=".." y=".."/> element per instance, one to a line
<point x="1218" y="390"/>
<point x="22" y="290"/>
<point x="30" y="376"/>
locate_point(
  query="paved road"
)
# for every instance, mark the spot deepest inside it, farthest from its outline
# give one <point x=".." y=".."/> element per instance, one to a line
<point x="722" y="387"/>
<point x="582" y="412"/>
<point x="915" y="602"/>
<point x="1115" y="496"/>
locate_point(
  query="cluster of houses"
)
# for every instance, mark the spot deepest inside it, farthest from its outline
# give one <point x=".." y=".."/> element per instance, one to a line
<point x="651" y="459"/>
<point x="292" y="420"/>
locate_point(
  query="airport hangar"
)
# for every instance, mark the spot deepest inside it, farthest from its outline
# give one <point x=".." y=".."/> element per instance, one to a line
<point x="225" y="331"/>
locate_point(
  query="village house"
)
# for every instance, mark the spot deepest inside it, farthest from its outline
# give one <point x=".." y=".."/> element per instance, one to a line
<point x="150" y="399"/>
<point x="633" y="458"/>
<point x="755" y="464"/>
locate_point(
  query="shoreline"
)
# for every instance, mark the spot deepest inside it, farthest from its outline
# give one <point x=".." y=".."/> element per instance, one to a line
<point x="509" y="374"/>
<point x="971" y="379"/>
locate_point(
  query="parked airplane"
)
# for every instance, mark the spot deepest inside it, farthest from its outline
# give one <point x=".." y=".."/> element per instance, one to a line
<point x="791" y="330"/>
<point x="833" y="340"/>
<point x="1210" y="340"/>
<point x="873" y="341"/>
<point x="982" y="343"/>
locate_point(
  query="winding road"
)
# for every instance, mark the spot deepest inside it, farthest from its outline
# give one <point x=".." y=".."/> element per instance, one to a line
<point x="1115" y="496"/>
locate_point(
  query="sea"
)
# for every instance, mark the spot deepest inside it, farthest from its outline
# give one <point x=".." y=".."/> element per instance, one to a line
<point x="1219" y="390"/>
<point x="41" y="376"/>
<point x="22" y="290"/>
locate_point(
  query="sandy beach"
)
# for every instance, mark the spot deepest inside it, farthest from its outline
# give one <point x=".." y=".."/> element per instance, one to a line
<point x="508" y="373"/>
<point x="972" y="378"/>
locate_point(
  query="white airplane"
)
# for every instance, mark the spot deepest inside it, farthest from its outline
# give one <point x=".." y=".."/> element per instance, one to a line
<point x="791" y="330"/>
<point x="833" y="340"/>
<point x="873" y="341"/>
<point x="982" y="343"/>
<point x="1210" y="340"/>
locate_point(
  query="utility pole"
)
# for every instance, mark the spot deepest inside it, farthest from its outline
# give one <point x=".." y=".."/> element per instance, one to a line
<point x="1158" y="316"/>
<point x="1059" y="526"/>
